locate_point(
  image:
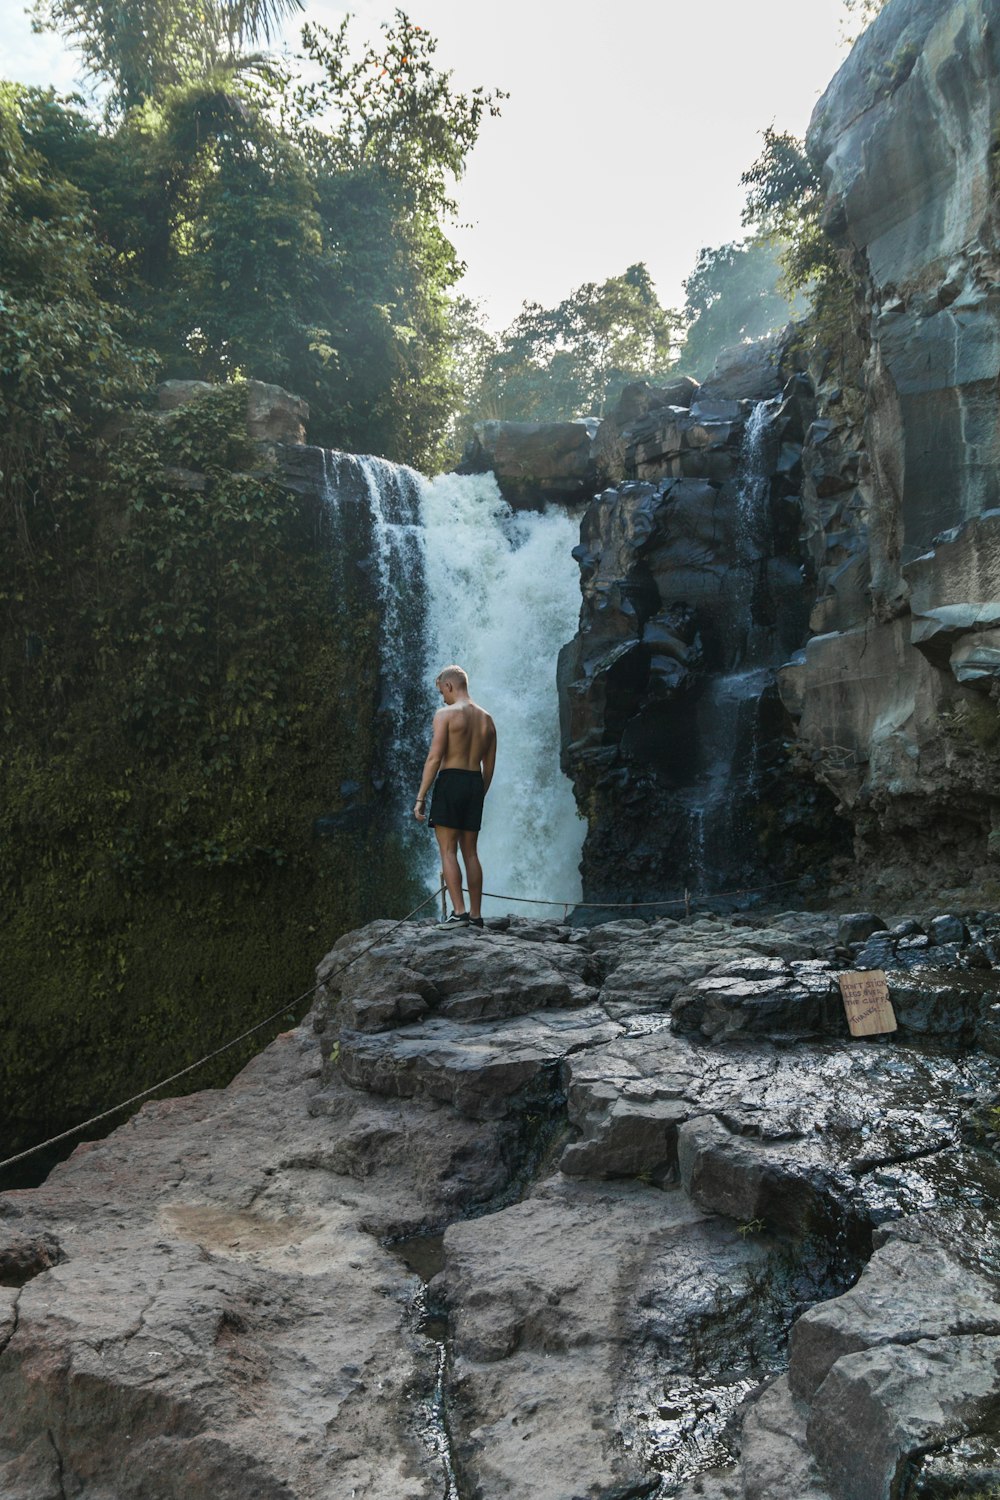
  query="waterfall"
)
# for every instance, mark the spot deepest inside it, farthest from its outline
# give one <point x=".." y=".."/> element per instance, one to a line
<point x="388" y="495"/>
<point x="502" y="596"/>
<point x="755" y="479"/>
<point x="727" y="713"/>
<point x="459" y="577"/>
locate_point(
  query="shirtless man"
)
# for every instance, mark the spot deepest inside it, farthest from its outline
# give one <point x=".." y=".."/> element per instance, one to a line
<point x="462" y="756"/>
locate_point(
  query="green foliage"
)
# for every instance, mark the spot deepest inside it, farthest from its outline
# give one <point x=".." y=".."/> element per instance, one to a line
<point x="860" y="13"/>
<point x="188" y="676"/>
<point x="391" y="109"/>
<point x="554" y="364"/>
<point x="146" y="46"/>
<point x="289" y="232"/>
<point x="733" y="293"/>
<point x="393" y="135"/>
<point x="64" y="365"/>
<point x="749" y="1227"/>
<point x="785" y="202"/>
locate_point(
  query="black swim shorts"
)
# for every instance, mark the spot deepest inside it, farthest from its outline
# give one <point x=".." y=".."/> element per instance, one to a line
<point x="458" y="800"/>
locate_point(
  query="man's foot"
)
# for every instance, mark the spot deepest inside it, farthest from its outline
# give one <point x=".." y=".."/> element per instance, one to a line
<point x="458" y="919"/>
<point x="475" y="921"/>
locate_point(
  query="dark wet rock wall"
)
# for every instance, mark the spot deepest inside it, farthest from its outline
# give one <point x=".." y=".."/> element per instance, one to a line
<point x="896" y="692"/>
<point x="870" y="572"/>
<point x="697" y="585"/>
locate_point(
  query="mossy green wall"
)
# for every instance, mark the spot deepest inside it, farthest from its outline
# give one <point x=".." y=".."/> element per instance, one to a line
<point x="189" y="676"/>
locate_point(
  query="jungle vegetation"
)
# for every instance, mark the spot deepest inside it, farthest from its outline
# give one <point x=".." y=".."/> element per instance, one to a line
<point x="188" y="675"/>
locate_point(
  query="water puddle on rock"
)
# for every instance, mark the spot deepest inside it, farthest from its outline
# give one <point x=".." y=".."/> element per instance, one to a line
<point x="689" y="1429"/>
<point x="423" y="1254"/>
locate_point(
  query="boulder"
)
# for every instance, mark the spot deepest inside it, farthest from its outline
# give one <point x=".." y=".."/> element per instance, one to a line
<point x="752" y="371"/>
<point x="535" y="463"/>
<point x="906" y="1293"/>
<point x="273" y="415"/>
<point x="879" y="1409"/>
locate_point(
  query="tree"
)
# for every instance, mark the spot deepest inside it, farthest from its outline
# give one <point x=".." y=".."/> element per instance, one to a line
<point x="556" y="363"/>
<point x="142" y="47"/>
<point x="785" y="202"/>
<point x="733" y="294"/>
<point x="291" y="232"/>
<point x="861" y="13"/>
<point x="65" y="364"/>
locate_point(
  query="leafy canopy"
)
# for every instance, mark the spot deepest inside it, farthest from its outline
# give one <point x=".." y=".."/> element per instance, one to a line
<point x="571" y="360"/>
<point x="142" y="47"/>
<point x="290" y="231"/>
<point x="733" y="293"/>
<point x="785" y="201"/>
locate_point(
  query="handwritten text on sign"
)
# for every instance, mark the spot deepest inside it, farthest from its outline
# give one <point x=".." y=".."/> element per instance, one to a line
<point x="866" y="1001"/>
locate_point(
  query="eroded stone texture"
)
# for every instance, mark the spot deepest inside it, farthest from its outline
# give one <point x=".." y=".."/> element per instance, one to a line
<point x="636" y="1212"/>
<point x="893" y="692"/>
<point x="694" y="592"/>
<point x="879" y="1408"/>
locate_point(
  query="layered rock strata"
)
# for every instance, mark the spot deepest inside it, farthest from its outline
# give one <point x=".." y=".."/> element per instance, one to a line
<point x="696" y="587"/>
<point x="897" y="689"/>
<point x="652" y="1152"/>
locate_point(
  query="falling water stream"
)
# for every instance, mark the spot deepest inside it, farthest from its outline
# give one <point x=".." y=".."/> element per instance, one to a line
<point x="461" y="578"/>
<point x="727" y="711"/>
<point x="503" y="596"/>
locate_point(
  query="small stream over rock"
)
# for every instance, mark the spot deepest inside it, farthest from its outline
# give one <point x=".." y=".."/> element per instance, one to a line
<point x="696" y="590"/>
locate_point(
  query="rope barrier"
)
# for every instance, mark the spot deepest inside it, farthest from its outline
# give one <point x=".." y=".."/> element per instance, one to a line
<point x="684" y="901"/>
<point x="137" y="1098"/>
<point x="746" y="890"/>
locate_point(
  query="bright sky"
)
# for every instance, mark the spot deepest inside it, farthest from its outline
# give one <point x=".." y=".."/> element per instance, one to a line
<point x="627" y="127"/>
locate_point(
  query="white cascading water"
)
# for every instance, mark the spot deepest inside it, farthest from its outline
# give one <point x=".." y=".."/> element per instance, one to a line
<point x="391" y="495"/>
<point x="503" y="596"/>
<point x="460" y="578"/>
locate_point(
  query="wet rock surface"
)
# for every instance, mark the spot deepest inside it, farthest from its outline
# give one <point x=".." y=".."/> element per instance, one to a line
<point x="697" y="1241"/>
<point x="895" y="693"/>
<point x="695" y="591"/>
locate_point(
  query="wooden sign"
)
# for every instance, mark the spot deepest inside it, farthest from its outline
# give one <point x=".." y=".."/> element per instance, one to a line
<point x="866" y="1001"/>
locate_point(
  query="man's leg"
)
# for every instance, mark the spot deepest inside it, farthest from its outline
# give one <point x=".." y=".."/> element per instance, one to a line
<point x="473" y="869"/>
<point x="448" y="846"/>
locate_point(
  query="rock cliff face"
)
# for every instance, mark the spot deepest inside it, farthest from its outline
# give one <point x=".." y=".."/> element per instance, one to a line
<point x="695" y="589"/>
<point x="535" y="463"/>
<point x="897" y="688"/>
<point x="886" y="499"/>
<point x="530" y="1212"/>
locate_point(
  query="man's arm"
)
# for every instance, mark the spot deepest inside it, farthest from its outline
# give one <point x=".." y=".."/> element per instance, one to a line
<point x="490" y="755"/>
<point x="435" y="755"/>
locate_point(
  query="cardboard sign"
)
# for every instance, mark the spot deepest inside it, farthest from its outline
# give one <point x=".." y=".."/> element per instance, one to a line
<point x="866" y="1001"/>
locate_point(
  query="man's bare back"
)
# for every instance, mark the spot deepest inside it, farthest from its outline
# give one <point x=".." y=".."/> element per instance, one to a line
<point x="462" y="754"/>
<point x="469" y="735"/>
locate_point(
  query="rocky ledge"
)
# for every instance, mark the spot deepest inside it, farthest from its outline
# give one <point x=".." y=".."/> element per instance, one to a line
<point x="540" y="1212"/>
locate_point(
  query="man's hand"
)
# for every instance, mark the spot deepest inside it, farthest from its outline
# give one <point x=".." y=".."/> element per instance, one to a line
<point x="420" y="809"/>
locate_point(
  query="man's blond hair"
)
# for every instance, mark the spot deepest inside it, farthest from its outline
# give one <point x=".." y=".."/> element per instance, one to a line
<point x="455" y="675"/>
